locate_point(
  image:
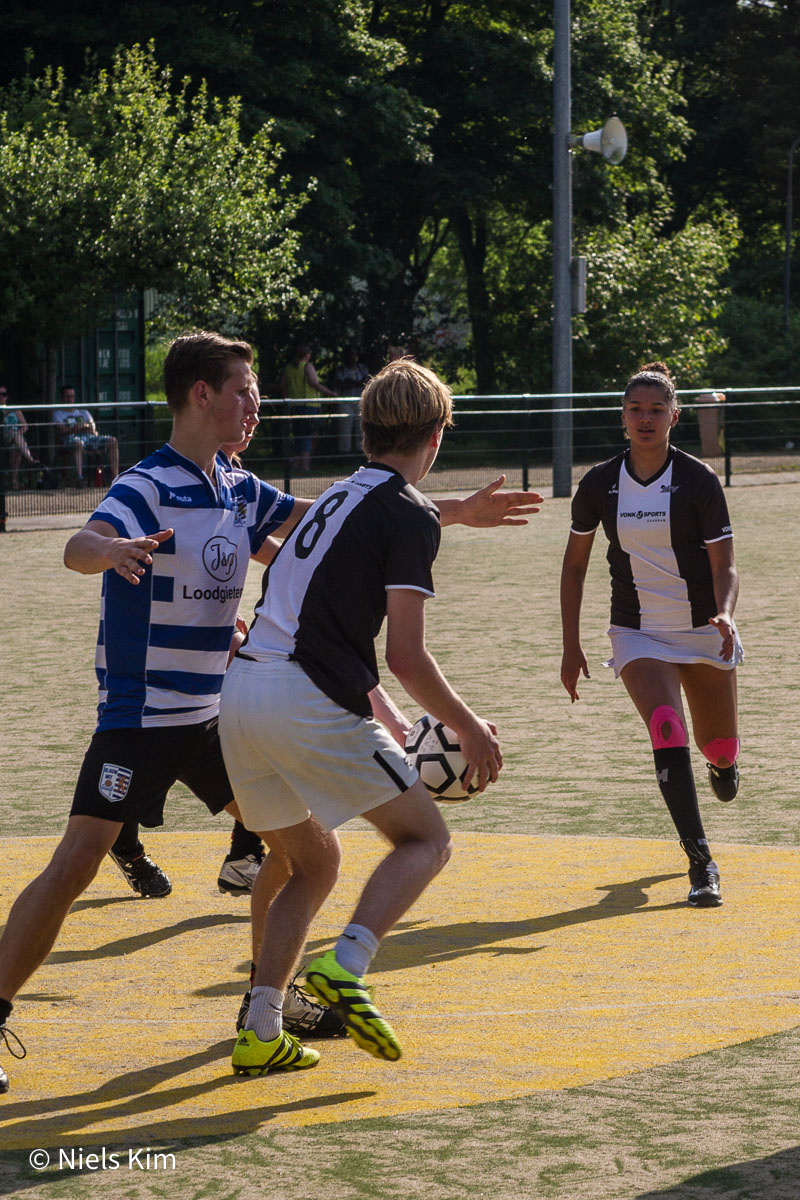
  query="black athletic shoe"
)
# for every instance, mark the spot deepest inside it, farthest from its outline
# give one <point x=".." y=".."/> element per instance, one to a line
<point x="5" y="1034"/>
<point x="302" y="1016"/>
<point x="724" y="781"/>
<point x="705" y="890"/>
<point x="237" y="875"/>
<point x="145" y="877"/>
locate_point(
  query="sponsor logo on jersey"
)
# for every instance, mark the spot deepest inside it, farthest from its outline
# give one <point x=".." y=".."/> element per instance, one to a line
<point x="219" y="557"/>
<point x="223" y="594"/>
<point x="114" y="782"/>
<point x="180" y="499"/>
<point x="670" y="487"/>
<point x="644" y="515"/>
<point x="240" y="511"/>
<point x="613" y="490"/>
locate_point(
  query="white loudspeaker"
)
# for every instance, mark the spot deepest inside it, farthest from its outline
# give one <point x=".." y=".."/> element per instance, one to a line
<point x="611" y="141"/>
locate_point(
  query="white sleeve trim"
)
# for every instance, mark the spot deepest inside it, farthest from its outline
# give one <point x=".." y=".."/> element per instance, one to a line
<point x="724" y="538"/>
<point x="408" y="587"/>
<point x="583" y="532"/>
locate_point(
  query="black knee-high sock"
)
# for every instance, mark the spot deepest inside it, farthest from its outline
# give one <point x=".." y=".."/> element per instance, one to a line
<point x="676" y="780"/>
<point x="243" y="842"/>
<point x="127" y="844"/>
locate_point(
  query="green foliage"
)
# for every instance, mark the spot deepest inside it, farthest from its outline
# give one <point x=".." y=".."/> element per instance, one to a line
<point x="756" y="347"/>
<point x="655" y="294"/>
<point x="132" y="184"/>
<point x="413" y="178"/>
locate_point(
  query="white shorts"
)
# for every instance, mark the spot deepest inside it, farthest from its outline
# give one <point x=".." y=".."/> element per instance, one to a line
<point x="290" y="750"/>
<point x="700" y="645"/>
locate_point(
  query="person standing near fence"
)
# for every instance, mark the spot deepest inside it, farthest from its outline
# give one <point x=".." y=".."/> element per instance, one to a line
<point x="299" y="381"/>
<point x="674" y="586"/>
<point x="348" y="379"/>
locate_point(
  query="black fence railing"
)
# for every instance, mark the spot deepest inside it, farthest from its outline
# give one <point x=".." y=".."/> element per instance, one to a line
<point x="754" y="433"/>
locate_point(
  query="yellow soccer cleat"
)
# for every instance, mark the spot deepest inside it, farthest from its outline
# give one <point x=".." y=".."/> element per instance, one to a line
<point x="283" y="1053"/>
<point x="350" y="999"/>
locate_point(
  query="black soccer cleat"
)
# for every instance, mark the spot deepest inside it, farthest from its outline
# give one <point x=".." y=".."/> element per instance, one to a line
<point x="5" y="1034"/>
<point x="144" y="876"/>
<point x="724" y="781"/>
<point x="703" y="876"/>
<point x="705" y="890"/>
<point x="302" y="1016"/>
<point x="237" y="875"/>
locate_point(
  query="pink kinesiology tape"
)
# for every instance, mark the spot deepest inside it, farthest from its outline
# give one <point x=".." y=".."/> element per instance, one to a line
<point x="727" y="748"/>
<point x="665" y="716"/>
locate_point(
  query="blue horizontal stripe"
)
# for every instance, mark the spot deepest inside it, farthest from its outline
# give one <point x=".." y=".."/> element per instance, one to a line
<point x="191" y="637"/>
<point x="191" y="683"/>
<point x="133" y="500"/>
<point x="163" y="588"/>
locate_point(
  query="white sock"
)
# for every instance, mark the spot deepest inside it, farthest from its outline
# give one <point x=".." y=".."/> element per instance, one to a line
<point x="356" y="948"/>
<point x="266" y="1010"/>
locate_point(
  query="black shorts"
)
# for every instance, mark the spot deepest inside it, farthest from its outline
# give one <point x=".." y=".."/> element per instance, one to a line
<point x="127" y="773"/>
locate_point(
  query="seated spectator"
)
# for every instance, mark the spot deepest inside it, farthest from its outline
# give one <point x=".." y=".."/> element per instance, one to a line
<point x="14" y="429"/>
<point x="75" y="429"/>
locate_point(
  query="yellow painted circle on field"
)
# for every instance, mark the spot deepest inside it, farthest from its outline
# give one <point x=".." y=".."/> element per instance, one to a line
<point x="530" y="963"/>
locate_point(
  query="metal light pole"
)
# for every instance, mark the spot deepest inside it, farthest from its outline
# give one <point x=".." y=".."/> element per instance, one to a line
<point x="562" y="253"/>
<point x="787" y="257"/>
<point x="612" y="142"/>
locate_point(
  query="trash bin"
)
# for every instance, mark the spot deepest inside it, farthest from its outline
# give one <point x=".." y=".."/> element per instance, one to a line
<point x="708" y="421"/>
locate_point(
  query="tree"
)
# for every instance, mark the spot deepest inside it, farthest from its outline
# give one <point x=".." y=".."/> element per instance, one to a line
<point x="124" y="183"/>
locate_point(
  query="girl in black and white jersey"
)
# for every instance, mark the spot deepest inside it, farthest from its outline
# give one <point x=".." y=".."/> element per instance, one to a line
<point x="673" y="590"/>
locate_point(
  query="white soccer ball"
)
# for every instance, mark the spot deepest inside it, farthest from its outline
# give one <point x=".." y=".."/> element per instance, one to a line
<point x="434" y="750"/>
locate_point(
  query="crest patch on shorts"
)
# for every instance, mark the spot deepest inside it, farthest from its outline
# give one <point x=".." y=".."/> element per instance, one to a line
<point x="114" y="782"/>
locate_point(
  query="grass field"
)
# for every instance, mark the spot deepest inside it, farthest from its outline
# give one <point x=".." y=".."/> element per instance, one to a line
<point x="576" y="1031"/>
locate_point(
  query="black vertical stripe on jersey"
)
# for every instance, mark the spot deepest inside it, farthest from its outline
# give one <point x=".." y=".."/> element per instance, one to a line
<point x="698" y="509"/>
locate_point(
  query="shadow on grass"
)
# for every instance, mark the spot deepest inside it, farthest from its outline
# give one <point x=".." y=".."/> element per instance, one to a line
<point x="776" y="1177"/>
<point x="54" y="1125"/>
<point x="440" y="943"/>
<point x="141" y="941"/>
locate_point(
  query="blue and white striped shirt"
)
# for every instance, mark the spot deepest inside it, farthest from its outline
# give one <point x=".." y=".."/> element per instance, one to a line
<point x="162" y="647"/>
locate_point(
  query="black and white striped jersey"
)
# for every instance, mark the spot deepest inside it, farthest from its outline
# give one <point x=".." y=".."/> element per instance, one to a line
<point x="324" y="597"/>
<point x="657" y="532"/>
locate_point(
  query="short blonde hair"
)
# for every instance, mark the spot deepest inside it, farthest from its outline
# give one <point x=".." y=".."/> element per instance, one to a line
<point x="401" y="407"/>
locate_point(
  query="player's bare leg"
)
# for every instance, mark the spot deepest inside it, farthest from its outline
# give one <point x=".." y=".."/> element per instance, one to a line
<point x="712" y="698"/>
<point x="313" y="855"/>
<point x="420" y="848"/>
<point x="655" y="688"/>
<point x="39" y="911"/>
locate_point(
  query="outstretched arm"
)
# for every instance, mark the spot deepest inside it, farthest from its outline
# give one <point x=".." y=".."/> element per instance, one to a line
<point x="490" y="506"/>
<point x="97" y="547"/>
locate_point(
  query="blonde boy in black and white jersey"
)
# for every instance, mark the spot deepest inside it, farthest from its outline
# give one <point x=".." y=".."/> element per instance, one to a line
<point x="304" y="749"/>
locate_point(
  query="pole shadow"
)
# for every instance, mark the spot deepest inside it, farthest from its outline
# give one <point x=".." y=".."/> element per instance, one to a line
<point x="442" y="943"/>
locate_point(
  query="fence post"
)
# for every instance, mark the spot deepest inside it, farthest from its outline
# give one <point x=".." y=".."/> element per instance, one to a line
<point x="727" y="443"/>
